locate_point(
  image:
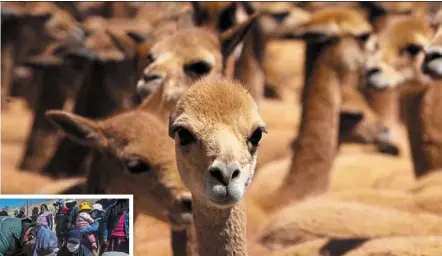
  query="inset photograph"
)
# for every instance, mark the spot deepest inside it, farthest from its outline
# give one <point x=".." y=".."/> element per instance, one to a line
<point x="58" y="225"/>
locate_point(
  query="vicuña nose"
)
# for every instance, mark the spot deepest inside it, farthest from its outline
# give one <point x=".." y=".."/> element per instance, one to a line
<point x="432" y="56"/>
<point x="223" y="173"/>
<point x="186" y="204"/>
<point x="372" y="71"/>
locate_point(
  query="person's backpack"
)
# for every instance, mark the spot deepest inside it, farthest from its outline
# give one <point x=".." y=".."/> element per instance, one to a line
<point x="42" y="219"/>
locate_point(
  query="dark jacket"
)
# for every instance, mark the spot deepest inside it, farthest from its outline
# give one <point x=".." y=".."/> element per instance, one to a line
<point x="110" y="221"/>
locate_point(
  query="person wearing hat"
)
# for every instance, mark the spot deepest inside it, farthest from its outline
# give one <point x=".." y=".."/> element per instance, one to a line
<point x="84" y="220"/>
<point x="22" y="214"/>
<point x="97" y="214"/>
<point x="22" y="236"/>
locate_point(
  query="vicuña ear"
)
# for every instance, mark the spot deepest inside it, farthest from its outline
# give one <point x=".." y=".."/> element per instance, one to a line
<point x="231" y="38"/>
<point x="79" y="129"/>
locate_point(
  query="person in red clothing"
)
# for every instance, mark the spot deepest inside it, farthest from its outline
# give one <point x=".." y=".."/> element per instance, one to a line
<point x="116" y="226"/>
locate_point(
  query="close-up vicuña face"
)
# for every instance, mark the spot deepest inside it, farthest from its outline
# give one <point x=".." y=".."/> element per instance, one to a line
<point x="217" y="130"/>
<point x="137" y="157"/>
<point x="144" y="157"/>
<point x="400" y="54"/>
<point x="177" y="61"/>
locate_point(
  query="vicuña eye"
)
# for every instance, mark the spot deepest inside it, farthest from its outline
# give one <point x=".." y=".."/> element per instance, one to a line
<point x="135" y="166"/>
<point x="256" y="136"/>
<point x="280" y="16"/>
<point x="364" y="37"/>
<point x="185" y="136"/>
<point x="197" y="69"/>
<point x="413" y="49"/>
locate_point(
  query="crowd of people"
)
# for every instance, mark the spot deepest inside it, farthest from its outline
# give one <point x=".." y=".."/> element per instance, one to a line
<point x="73" y="228"/>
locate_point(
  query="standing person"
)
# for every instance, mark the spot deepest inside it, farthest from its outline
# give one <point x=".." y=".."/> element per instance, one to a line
<point x="45" y="217"/>
<point x="21" y="214"/>
<point x="73" y="212"/>
<point x="61" y="221"/>
<point x="84" y="221"/>
<point x="15" y="213"/>
<point x="95" y="228"/>
<point x="35" y="213"/>
<point x="65" y="219"/>
<point x="116" y="226"/>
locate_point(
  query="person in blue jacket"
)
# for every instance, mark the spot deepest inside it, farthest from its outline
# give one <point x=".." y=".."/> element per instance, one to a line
<point x="97" y="213"/>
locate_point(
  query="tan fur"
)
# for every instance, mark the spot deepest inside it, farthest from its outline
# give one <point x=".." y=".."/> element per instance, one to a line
<point x="385" y="102"/>
<point x="138" y="141"/>
<point x="172" y="61"/>
<point x="311" y="248"/>
<point x="248" y="67"/>
<point x="399" y="200"/>
<point x="350" y="172"/>
<point x="394" y="246"/>
<point x="283" y="65"/>
<point x="144" y="140"/>
<point x="396" y="38"/>
<point x="317" y="218"/>
<point x="222" y="127"/>
<point x="314" y="151"/>
<point x="427" y="181"/>
<point x="400" y="246"/>
<point x="430" y="199"/>
<point x="420" y="105"/>
<point x="28" y="181"/>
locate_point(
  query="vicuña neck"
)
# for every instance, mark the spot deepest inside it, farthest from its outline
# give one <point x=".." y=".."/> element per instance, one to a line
<point x="386" y="104"/>
<point x="423" y="108"/>
<point x="317" y="143"/>
<point x="220" y="232"/>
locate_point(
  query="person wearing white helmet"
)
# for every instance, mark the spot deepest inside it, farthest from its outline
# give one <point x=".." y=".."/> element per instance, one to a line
<point x="97" y="214"/>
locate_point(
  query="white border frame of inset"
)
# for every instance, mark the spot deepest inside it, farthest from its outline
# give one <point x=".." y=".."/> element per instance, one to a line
<point x="97" y="196"/>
